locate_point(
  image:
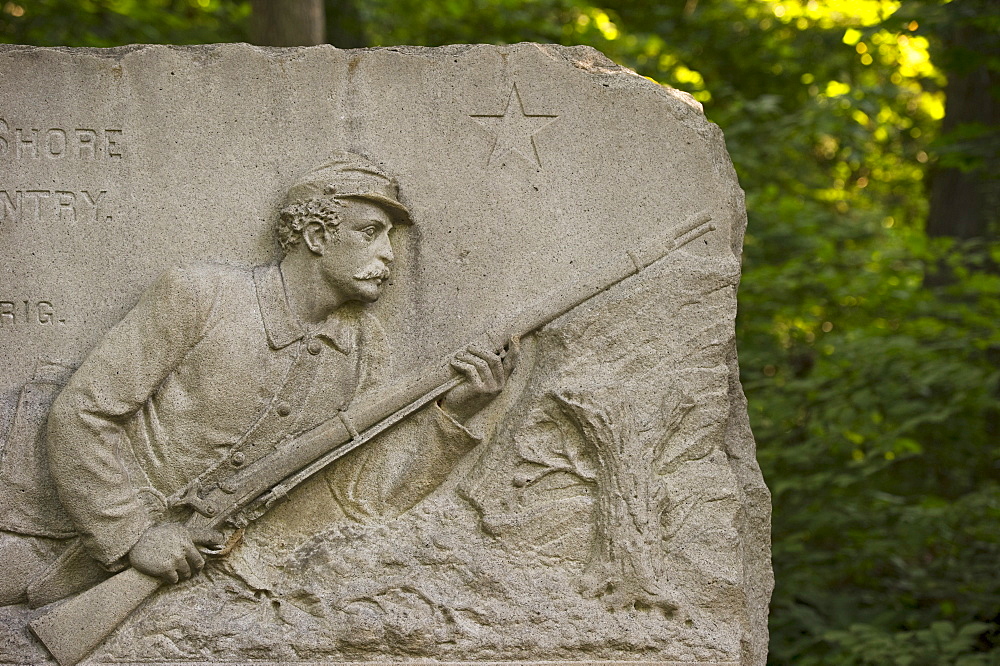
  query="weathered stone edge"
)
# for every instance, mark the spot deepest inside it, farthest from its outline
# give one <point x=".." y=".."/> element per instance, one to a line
<point x="407" y="663"/>
<point x="594" y="63"/>
<point x="584" y="58"/>
<point x="427" y="663"/>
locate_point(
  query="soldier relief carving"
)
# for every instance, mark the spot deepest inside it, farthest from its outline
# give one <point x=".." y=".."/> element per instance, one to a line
<point x="238" y="471"/>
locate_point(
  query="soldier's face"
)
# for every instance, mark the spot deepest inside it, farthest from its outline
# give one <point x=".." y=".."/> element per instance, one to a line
<point x="357" y="256"/>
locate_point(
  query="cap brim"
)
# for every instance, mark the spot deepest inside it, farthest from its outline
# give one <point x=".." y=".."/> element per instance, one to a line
<point x="397" y="211"/>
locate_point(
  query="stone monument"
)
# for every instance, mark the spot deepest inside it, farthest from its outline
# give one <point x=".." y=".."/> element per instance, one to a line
<point x="403" y="354"/>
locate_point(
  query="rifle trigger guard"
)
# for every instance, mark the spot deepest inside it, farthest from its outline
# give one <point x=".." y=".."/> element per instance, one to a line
<point x="192" y="498"/>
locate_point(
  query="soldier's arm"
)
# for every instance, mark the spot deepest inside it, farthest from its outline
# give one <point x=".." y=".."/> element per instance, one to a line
<point x="86" y="423"/>
<point x="404" y="465"/>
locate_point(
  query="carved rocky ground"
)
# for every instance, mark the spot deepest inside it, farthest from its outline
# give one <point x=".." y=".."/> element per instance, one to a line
<point x="601" y="523"/>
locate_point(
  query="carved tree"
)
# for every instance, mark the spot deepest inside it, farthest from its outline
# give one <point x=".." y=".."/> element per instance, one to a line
<point x="625" y="568"/>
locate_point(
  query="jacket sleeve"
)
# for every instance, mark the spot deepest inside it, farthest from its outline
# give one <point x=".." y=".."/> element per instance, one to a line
<point x="86" y="424"/>
<point x="393" y="472"/>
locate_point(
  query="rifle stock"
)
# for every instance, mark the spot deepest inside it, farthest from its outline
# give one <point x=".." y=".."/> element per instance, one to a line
<point x="74" y="628"/>
<point x="78" y="625"/>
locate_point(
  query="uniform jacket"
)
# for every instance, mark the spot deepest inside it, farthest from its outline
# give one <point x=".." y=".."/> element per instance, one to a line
<point x="212" y="368"/>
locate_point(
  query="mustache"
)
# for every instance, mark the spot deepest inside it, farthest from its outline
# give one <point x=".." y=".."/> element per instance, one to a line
<point x="373" y="272"/>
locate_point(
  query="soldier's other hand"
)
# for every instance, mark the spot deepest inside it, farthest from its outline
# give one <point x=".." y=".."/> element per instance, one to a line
<point x="169" y="552"/>
<point x="485" y="376"/>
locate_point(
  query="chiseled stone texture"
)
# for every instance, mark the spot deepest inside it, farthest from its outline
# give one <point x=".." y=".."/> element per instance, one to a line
<point x="614" y="512"/>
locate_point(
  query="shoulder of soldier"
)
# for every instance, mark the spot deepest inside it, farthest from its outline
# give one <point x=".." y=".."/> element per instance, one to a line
<point x="204" y="277"/>
<point x="198" y="284"/>
<point x="205" y="274"/>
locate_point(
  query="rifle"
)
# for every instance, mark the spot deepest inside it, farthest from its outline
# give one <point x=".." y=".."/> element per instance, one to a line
<point x="73" y="628"/>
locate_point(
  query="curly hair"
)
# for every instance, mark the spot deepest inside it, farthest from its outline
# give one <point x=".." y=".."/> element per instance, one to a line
<point x="294" y="218"/>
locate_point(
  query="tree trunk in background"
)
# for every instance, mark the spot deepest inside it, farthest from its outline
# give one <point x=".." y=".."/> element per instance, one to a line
<point x="965" y="203"/>
<point x="288" y="22"/>
<point x="345" y="26"/>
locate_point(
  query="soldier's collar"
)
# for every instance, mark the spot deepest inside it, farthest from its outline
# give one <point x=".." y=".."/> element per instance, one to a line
<point x="283" y="327"/>
<point x="341" y="329"/>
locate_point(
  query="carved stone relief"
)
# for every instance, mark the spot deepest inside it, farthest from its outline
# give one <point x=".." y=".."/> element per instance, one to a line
<point x="382" y="355"/>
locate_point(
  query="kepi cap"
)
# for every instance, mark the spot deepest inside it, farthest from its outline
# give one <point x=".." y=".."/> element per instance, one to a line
<point x="351" y="175"/>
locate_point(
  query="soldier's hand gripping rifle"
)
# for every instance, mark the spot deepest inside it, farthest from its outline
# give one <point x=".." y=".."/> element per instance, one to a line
<point x="73" y="628"/>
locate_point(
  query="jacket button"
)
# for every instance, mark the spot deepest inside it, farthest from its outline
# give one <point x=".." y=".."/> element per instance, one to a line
<point x="239" y="458"/>
<point x="314" y="346"/>
<point x="284" y="409"/>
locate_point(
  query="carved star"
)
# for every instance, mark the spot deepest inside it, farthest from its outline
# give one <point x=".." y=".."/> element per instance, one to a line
<point x="514" y="129"/>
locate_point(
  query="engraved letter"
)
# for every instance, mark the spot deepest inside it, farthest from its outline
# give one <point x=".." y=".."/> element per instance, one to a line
<point x="45" y="312"/>
<point x="113" y="137"/>
<point x="55" y="143"/>
<point x="37" y="195"/>
<point x="3" y="136"/>
<point x="65" y="205"/>
<point x="7" y="312"/>
<point x="11" y="209"/>
<point x="87" y="140"/>
<point x="93" y="201"/>
<point x="20" y="143"/>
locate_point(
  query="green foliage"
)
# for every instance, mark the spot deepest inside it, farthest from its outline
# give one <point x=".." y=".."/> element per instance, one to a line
<point x="940" y="643"/>
<point x="118" y="22"/>
<point x="874" y="400"/>
<point x="870" y="354"/>
<point x="465" y="21"/>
